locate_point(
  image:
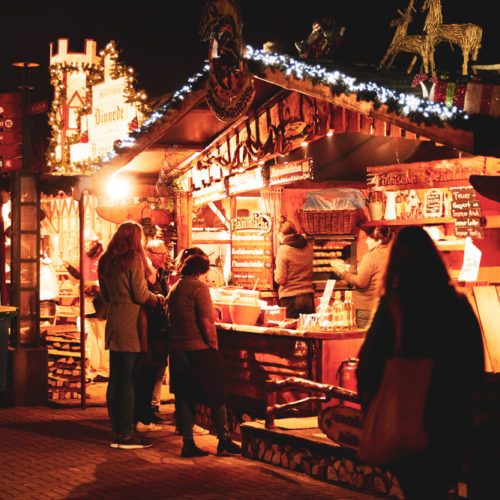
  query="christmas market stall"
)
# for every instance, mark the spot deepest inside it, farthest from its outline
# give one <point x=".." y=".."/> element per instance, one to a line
<point x="265" y="133"/>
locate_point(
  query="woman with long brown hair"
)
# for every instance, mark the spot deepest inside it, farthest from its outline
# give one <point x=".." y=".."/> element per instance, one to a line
<point x="434" y="322"/>
<point x="122" y="278"/>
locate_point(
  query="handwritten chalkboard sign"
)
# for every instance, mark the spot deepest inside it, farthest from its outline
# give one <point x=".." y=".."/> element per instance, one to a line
<point x="433" y="203"/>
<point x="466" y="212"/>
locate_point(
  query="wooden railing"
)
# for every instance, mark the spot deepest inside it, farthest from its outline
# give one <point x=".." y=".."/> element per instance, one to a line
<point x="324" y="392"/>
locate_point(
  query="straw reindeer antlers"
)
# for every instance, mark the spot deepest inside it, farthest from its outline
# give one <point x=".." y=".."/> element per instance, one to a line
<point x="420" y="45"/>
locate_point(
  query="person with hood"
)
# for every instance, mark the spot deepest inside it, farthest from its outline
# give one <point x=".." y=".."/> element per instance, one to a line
<point x="294" y="271"/>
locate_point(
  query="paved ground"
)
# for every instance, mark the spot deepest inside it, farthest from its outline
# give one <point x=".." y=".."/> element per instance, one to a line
<point x="65" y="453"/>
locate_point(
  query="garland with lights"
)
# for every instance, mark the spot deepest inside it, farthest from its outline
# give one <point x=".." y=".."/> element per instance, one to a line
<point x="416" y="109"/>
<point x="192" y="84"/>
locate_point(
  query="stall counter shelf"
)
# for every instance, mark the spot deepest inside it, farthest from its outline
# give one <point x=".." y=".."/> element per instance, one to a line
<point x="254" y="354"/>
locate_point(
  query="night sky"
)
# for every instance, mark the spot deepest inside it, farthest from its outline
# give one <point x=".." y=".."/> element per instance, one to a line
<point x="159" y="39"/>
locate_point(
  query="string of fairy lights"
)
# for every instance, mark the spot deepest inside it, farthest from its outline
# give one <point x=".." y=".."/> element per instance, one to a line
<point x="414" y="108"/>
<point x="411" y="106"/>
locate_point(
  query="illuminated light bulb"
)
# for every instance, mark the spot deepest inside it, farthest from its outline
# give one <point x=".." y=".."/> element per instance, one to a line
<point x="329" y="133"/>
<point x="304" y="144"/>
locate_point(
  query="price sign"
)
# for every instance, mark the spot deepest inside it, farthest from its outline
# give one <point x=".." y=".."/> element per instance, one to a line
<point x="466" y="212"/>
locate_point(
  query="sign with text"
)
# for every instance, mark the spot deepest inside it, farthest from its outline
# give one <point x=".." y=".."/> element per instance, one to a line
<point x="39" y="107"/>
<point x="342" y="424"/>
<point x="466" y="212"/>
<point x="433" y="203"/>
<point x="251" y="251"/>
<point x="216" y="191"/>
<point x="10" y="164"/>
<point x="285" y="173"/>
<point x="246" y="181"/>
<point x="422" y="174"/>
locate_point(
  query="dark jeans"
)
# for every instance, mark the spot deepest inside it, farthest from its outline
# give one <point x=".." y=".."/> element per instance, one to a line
<point x="144" y="385"/>
<point x="362" y="317"/>
<point x="120" y="394"/>
<point x="152" y="366"/>
<point x="300" y="304"/>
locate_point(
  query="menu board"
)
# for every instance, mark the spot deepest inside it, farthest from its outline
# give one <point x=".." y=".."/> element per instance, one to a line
<point x="251" y="251"/>
<point x="466" y="212"/>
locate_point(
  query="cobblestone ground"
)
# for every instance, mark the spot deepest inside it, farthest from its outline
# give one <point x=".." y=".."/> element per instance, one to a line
<point x="65" y="453"/>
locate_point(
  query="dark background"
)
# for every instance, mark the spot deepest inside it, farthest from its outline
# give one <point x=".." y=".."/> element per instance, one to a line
<point x="159" y="39"/>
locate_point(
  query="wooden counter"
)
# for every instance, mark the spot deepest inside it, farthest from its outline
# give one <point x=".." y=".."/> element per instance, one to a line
<point x="254" y="354"/>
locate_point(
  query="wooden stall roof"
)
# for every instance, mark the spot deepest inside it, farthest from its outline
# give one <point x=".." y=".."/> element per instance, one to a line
<point x="192" y="126"/>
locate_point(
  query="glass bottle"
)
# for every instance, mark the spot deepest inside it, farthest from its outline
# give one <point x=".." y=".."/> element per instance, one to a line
<point x="350" y="310"/>
<point x="338" y="312"/>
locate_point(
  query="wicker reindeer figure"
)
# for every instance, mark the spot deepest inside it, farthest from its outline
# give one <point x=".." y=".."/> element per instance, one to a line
<point x="420" y="45"/>
<point x="466" y="36"/>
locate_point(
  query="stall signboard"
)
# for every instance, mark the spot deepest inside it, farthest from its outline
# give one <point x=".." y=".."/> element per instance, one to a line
<point x="213" y="192"/>
<point x="423" y="175"/>
<point x="251" y="251"/>
<point x="466" y="211"/>
<point x="285" y="173"/>
<point x="111" y="113"/>
<point x="342" y="424"/>
<point x="246" y="181"/>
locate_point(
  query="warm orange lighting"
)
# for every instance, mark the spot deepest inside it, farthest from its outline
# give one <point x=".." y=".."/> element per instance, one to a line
<point x="305" y="144"/>
<point x="329" y="133"/>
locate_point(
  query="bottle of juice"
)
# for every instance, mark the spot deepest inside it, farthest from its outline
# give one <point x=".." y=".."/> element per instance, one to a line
<point x="339" y="317"/>
<point x="350" y="310"/>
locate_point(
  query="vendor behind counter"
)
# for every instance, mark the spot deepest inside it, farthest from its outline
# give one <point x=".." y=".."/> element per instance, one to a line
<point x="294" y="271"/>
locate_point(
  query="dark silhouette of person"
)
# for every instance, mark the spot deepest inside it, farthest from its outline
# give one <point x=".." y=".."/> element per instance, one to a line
<point x="435" y="322"/>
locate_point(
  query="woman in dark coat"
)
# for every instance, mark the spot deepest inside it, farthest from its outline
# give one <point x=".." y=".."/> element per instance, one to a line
<point x="438" y="323"/>
<point x="197" y="370"/>
<point x="122" y="280"/>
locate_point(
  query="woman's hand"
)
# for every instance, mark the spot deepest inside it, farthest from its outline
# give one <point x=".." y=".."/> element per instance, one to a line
<point x="338" y="266"/>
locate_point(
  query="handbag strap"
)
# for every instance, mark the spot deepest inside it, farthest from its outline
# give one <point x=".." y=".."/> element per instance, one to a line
<point x="394" y="305"/>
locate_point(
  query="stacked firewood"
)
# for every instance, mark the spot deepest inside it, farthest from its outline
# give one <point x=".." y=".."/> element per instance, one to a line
<point x="64" y="364"/>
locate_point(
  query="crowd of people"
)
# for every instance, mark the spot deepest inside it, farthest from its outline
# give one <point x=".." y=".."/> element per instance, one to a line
<point x="150" y="318"/>
<point x="148" y="322"/>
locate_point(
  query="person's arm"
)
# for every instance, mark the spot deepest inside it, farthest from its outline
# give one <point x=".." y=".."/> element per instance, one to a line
<point x="205" y="317"/>
<point x="363" y="276"/>
<point x="281" y="269"/>
<point x="139" y="288"/>
<point x="72" y="270"/>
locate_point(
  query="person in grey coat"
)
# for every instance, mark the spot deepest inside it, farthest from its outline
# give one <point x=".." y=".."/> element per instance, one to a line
<point x="294" y="271"/>
<point x="122" y="279"/>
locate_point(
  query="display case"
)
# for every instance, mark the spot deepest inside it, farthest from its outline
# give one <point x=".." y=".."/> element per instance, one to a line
<point x="328" y="247"/>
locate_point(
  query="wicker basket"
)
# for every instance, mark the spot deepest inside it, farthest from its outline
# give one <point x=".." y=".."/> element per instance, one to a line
<point x="328" y="221"/>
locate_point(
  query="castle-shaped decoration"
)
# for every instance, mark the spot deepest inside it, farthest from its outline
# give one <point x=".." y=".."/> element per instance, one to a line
<point x="95" y="106"/>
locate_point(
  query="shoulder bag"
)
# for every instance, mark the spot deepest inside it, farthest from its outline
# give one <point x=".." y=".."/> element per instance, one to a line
<point x="393" y="427"/>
